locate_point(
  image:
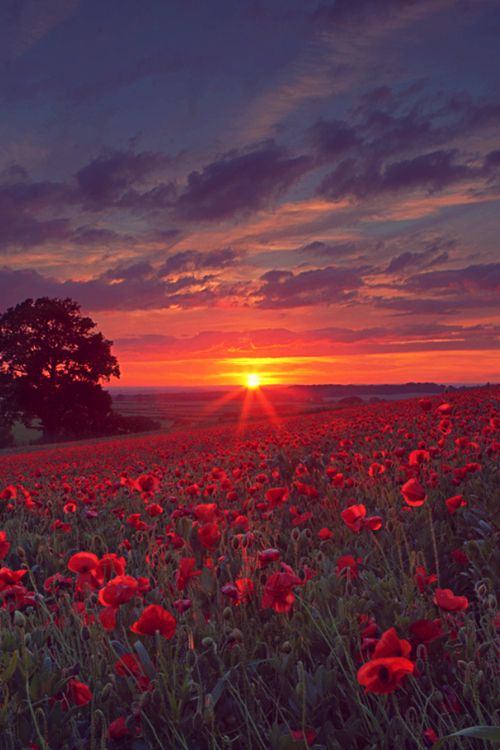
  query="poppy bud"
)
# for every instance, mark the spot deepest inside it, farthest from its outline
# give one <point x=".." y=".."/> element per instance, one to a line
<point x="19" y="619"/>
<point x="236" y="635"/>
<point x="422" y="652"/>
<point x="227" y="613"/>
<point x="286" y="647"/>
<point x="208" y="642"/>
<point x="21" y="553"/>
<point x="107" y="691"/>
<point x="295" y="535"/>
<point x="481" y="591"/>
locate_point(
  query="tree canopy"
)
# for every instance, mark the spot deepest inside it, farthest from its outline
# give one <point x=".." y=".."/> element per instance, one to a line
<point x="52" y="361"/>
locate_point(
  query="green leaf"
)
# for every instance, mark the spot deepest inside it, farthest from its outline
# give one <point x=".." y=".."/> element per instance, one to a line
<point x="213" y="697"/>
<point x="9" y="669"/>
<point x="146" y="662"/>
<point x="492" y="734"/>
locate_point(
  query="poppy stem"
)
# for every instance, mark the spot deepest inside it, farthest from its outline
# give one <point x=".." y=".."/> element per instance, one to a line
<point x="434" y="543"/>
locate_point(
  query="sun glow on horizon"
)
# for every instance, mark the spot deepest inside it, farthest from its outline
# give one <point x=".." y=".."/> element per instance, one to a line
<point x="253" y="381"/>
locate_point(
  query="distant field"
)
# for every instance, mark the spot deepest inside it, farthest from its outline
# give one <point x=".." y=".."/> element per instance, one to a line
<point x="177" y="410"/>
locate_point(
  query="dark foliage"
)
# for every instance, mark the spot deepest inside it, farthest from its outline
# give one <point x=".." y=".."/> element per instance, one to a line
<point x="51" y="363"/>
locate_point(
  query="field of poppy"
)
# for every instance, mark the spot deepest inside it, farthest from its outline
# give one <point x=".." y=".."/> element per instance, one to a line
<point x="325" y="581"/>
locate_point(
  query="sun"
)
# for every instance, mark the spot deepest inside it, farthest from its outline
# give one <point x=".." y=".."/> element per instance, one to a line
<point x="252" y="381"/>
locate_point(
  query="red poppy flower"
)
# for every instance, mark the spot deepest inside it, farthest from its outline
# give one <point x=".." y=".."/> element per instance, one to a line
<point x="347" y="567"/>
<point x="425" y="404"/>
<point x="60" y="526"/>
<point x="155" y="618"/>
<point x="446" y="599"/>
<point x="110" y="565"/>
<point x="454" y="503"/>
<point x="418" y="457"/>
<point x="376" y="469"/>
<point x="325" y="534"/>
<point x="118" y="729"/>
<point x="9" y="493"/>
<point x="182" y="605"/>
<point x="384" y="675"/>
<point x="389" y="644"/>
<point x="430" y="737"/>
<point x="77" y="693"/>
<point x="146" y="483"/>
<point x="276" y="496"/>
<point x="355" y="518"/>
<point x="4" y="545"/>
<point x="209" y="535"/>
<point x="460" y="557"/>
<point x="10" y="577"/>
<point x="426" y="631"/>
<point x="117" y="591"/>
<point x="185" y="572"/>
<point x="206" y="512"/>
<point x="267" y="556"/>
<point x="83" y="562"/>
<point x="413" y="493"/>
<point x="422" y="579"/>
<point x="304" y="735"/>
<point x="278" y="594"/>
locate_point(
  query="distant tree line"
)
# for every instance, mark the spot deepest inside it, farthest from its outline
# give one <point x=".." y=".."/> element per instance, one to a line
<point x="52" y="363"/>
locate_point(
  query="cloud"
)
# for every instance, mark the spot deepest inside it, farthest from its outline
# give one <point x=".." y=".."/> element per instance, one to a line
<point x="285" y="289"/>
<point x="334" y="138"/>
<point x="431" y="172"/>
<point x="282" y="342"/>
<point x="435" y="252"/>
<point x="106" y="179"/>
<point x="191" y="260"/>
<point x="21" y="230"/>
<point x="134" y="271"/>
<point x="240" y="182"/>
<point x="321" y="249"/>
<point x="408" y="260"/>
<point x="485" y="277"/>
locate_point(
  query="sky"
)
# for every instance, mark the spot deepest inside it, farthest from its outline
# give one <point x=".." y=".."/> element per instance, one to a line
<point x="305" y="189"/>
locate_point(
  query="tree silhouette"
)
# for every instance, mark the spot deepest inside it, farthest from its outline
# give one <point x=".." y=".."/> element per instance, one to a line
<point x="51" y="363"/>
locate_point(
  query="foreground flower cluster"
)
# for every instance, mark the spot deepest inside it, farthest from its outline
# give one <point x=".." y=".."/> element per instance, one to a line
<point x="325" y="581"/>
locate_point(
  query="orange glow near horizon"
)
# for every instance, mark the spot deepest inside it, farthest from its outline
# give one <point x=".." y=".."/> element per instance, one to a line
<point x="450" y="366"/>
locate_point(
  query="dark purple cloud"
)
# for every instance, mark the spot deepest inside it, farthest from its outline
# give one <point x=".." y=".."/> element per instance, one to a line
<point x="137" y="270"/>
<point x="485" y="277"/>
<point x="192" y="260"/>
<point x="240" y="183"/>
<point x="20" y="230"/>
<point x="430" y="172"/>
<point x="106" y="179"/>
<point x="320" y="249"/>
<point x="285" y="289"/>
<point x="410" y="260"/>
<point x="332" y="139"/>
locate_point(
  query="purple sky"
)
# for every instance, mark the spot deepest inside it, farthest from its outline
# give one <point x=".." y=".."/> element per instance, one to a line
<point x="307" y="188"/>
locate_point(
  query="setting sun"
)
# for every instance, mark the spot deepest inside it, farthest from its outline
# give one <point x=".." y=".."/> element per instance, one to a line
<point x="253" y="381"/>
